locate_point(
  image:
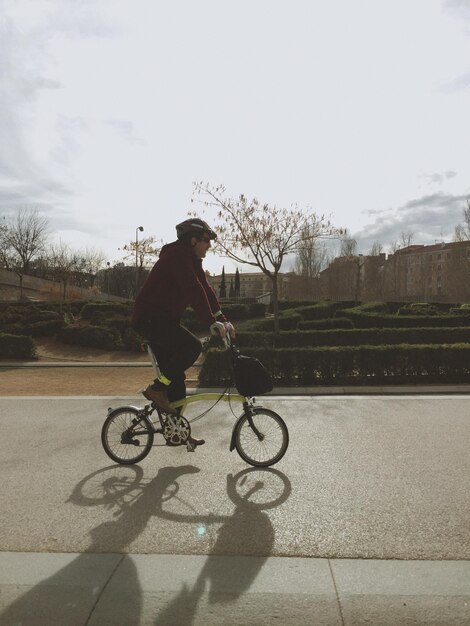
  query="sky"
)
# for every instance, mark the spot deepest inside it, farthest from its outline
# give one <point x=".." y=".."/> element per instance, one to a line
<point x="110" y="109"/>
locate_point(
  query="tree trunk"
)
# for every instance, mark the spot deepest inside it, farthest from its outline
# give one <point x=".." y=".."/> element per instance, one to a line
<point x="275" y="304"/>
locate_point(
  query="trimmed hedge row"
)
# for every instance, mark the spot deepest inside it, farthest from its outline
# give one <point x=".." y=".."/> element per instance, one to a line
<point x="233" y="312"/>
<point x="372" y="320"/>
<point x="91" y="336"/>
<point x="288" y="320"/>
<point x="106" y="308"/>
<point x="354" y="337"/>
<point x="17" y="347"/>
<point x="322" y="310"/>
<point x="36" y="329"/>
<point x="327" y="324"/>
<point x="352" y="365"/>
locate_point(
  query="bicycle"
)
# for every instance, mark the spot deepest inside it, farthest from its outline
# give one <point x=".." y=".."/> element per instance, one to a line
<point x="259" y="435"/>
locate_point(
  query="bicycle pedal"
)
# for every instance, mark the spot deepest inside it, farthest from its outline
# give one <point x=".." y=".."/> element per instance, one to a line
<point x="190" y="447"/>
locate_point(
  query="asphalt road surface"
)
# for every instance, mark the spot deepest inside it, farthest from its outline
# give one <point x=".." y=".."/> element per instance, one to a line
<point x="364" y="477"/>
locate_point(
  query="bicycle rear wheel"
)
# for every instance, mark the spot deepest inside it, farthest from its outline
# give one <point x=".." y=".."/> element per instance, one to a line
<point x="126" y="436"/>
<point x="269" y="446"/>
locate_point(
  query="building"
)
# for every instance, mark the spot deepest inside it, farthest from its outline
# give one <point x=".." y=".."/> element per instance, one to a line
<point x="252" y="284"/>
<point x="417" y="273"/>
<point x="439" y="272"/>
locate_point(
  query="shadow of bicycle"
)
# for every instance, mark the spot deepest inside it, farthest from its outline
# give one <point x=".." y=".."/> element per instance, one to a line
<point x="133" y="501"/>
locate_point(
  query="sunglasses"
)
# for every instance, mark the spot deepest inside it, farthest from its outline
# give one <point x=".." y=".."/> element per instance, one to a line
<point x="205" y="239"/>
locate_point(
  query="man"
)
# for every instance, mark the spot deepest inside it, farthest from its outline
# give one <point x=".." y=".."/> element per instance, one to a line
<point x="176" y="281"/>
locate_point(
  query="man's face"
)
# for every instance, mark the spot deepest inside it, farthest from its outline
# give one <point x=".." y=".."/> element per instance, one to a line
<point x="201" y="245"/>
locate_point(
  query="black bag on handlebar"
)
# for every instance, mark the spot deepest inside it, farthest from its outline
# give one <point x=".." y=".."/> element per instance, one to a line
<point x="251" y="377"/>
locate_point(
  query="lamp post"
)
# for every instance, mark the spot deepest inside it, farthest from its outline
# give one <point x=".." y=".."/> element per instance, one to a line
<point x="107" y="277"/>
<point x="141" y="228"/>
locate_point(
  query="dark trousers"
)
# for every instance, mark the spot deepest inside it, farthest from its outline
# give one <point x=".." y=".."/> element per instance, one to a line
<point x="176" y="350"/>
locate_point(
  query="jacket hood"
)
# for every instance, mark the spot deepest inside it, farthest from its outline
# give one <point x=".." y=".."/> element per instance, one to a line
<point x="169" y="247"/>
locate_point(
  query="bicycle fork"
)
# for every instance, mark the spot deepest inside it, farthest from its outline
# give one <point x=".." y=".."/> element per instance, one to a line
<point x="249" y="415"/>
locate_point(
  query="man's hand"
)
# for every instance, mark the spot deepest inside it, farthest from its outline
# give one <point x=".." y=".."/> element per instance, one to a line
<point x="230" y="330"/>
<point x="218" y="329"/>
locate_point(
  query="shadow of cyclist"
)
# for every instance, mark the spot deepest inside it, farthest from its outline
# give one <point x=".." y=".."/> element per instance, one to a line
<point x="247" y="532"/>
<point x="71" y="595"/>
<point x="67" y="596"/>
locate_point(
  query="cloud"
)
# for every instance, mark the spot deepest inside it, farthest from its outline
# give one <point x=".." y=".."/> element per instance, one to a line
<point x="28" y="176"/>
<point x="430" y="218"/>
<point x="438" y="179"/>
<point x="460" y="7"/>
<point x="125" y="129"/>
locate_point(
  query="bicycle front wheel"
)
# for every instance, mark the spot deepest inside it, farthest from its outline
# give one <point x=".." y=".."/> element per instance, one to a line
<point x="267" y="443"/>
<point x="126" y="436"/>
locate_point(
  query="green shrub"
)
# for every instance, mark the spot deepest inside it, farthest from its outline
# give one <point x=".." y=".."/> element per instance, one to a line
<point x="373" y="307"/>
<point x="107" y="308"/>
<point x="235" y="312"/>
<point x="330" y="323"/>
<point x="320" y="311"/>
<point x="353" y="337"/>
<point x="91" y="336"/>
<point x="419" y="308"/>
<point x="287" y="321"/>
<point x="45" y="316"/>
<point x="131" y="341"/>
<point x="36" y="329"/>
<point x="463" y="309"/>
<point x="290" y="304"/>
<point x="376" y="320"/>
<point x="256" y="309"/>
<point x="17" y="347"/>
<point x="350" y="365"/>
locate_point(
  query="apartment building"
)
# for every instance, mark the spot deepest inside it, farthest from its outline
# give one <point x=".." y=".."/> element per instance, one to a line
<point x="420" y="273"/>
<point x="439" y="272"/>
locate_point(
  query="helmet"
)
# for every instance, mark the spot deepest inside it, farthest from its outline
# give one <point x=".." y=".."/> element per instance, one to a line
<point x="194" y="226"/>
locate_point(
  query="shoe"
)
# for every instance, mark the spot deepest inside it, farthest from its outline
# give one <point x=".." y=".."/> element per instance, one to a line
<point x="159" y="398"/>
<point x="196" y="442"/>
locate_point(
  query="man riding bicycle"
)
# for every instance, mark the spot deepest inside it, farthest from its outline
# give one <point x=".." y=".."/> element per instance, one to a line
<point x="177" y="280"/>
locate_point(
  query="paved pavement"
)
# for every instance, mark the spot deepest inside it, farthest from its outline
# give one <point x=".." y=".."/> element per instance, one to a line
<point x="365" y="521"/>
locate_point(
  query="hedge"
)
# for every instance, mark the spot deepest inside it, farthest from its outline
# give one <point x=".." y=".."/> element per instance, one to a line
<point x="322" y="310"/>
<point x="91" y="336"/>
<point x="350" y="365"/>
<point x="108" y="308"/>
<point x="288" y="320"/>
<point x="326" y="324"/>
<point x="36" y="329"/>
<point x="353" y="337"/>
<point x="17" y="347"/>
<point x="372" y="320"/>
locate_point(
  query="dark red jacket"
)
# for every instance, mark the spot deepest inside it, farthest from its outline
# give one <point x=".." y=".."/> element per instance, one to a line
<point x="176" y="281"/>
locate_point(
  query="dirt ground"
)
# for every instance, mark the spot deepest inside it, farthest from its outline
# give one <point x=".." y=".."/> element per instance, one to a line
<point x="77" y="381"/>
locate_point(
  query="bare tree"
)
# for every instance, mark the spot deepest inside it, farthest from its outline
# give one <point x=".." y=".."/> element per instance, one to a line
<point x="144" y="251"/>
<point x="348" y="244"/>
<point x="26" y="235"/>
<point x="259" y="234"/>
<point x="88" y="263"/>
<point x="406" y="239"/>
<point x="23" y="237"/>
<point x="462" y="231"/>
<point x="376" y="249"/>
<point x="312" y="256"/>
<point x="63" y="262"/>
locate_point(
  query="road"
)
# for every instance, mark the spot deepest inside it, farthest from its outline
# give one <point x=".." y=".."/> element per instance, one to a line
<point x="366" y="481"/>
<point x="364" y="477"/>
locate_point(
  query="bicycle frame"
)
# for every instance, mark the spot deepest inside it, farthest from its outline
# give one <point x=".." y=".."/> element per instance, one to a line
<point x="209" y="397"/>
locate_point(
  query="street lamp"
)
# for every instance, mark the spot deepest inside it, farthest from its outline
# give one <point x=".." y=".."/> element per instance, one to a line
<point x="141" y="228"/>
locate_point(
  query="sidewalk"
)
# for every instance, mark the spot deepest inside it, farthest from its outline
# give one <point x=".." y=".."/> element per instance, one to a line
<point x="320" y="390"/>
<point x="99" y="589"/>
